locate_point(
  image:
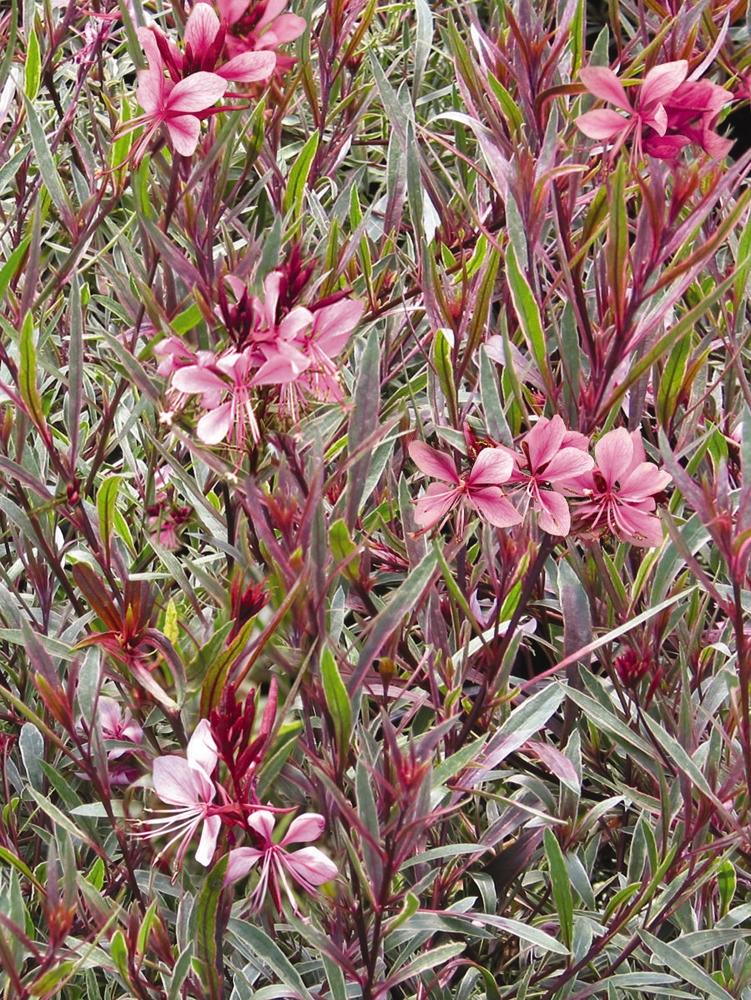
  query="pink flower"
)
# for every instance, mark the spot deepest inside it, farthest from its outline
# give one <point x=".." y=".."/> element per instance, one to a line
<point x="115" y="724"/>
<point x="259" y="25"/>
<point x="668" y="113"/>
<point x="185" y="784"/>
<point x="622" y="489"/>
<point x="204" y="39"/>
<point x="230" y="376"/>
<point x="481" y="488"/>
<point x="177" y="106"/>
<point x="553" y="456"/>
<point x="309" y="867"/>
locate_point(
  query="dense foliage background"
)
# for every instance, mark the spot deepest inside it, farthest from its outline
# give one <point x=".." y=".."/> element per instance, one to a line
<point x="375" y="511"/>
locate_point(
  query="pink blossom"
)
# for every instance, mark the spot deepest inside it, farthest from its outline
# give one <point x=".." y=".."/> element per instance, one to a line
<point x="259" y="24"/>
<point x="309" y="867"/>
<point x="115" y="724"/>
<point x="552" y="457"/>
<point x="204" y="39"/>
<point x="481" y="488"/>
<point x="226" y="388"/>
<point x="668" y="113"/>
<point x="177" y="106"/>
<point x="185" y="784"/>
<point x="621" y="489"/>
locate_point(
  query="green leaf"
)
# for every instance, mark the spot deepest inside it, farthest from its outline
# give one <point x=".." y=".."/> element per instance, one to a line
<point x="671" y="381"/>
<point x="400" y="603"/>
<point x="106" y="501"/>
<point x="444" y="368"/>
<point x="343" y="548"/>
<point x="617" y="244"/>
<point x="208" y="933"/>
<point x="27" y="373"/>
<point x="560" y="886"/>
<point x="298" y="176"/>
<point x="527" y="312"/>
<point x="46" y="163"/>
<point x="495" y="418"/>
<point x="255" y="944"/>
<point x="432" y="959"/>
<point x="362" y="422"/>
<point x="33" y="66"/>
<point x="726" y="883"/>
<point x="683" y="967"/>
<point x="337" y="700"/>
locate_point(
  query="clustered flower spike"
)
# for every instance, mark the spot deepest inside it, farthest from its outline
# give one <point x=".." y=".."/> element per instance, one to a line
<point x="613" y="492"/>
<point x="668" y="113"/>
<point x="295" y="350"/>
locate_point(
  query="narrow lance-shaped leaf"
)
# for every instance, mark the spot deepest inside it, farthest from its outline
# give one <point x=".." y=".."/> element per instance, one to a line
<point x="27" y="375"/>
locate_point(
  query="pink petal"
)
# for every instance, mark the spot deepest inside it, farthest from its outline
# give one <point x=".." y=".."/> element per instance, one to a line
<point x="491" y="504"/>
<point x="660" y="82"/>
<point x="263" y="822"/>
<point x="232" y="10"/>
<point x="433" y="463"/>
<point x="249" y="67"/>
<point x="194" y="378"/>
<point x="201" y="28"/>
<point x="214" y="426"/>
<point x="333" y="325"/>
<point x="209" y="836"/>
<point x="184" y="131"/>
<point x="179" y="784"/>
<point x="202" y="747"/>
<point x="308" y="826"/>
<point x="602" y="124"/>
<point x="613" y="454"/>
<point x="434" y="504"/>
<point x="151" y="49"/>
<point x="271" y="11"/>
<point x="109" y="716"/>
<point x="310" y="866"/>
<point x="492" y="467"/>
<point x="643" y="481"/>
<point x="293" y="324"/>
<point x="568" y="463"/>
<point x="240" y="863"/>
<point x="287" y="27"/>
<point x="196" y="93"/>
<point x="603" y="83"/>
<point x="150" y="90"/>
<point x="666" y="147"/>
<point x="544" y="440"/>
<point x="553" y="513"/>
<point x="639" y="528"/>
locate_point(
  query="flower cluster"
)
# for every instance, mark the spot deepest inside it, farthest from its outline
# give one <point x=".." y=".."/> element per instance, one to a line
<point x="613" y="492"/>
<point x="181" y="86"/>
<point x="668" y="113"/>
<point x="198" y="799"/>
<point x="293" y="349"/>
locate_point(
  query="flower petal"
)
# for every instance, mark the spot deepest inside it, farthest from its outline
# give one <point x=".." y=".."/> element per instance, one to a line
<point x="184" y="131"/>
<point x="491" y="504"/>
<point x="309" y="866"/>
<point x="201" y="28"/>
<point x="333" y="325"/>
<point x="568" y="463"/>
<point x="308" y="826"/>
<point x="248" y="67"/>
<point x="262" y="822"/>
<point x="603" y="83"/>
<point x="602" y="124"/>
<point x="201" y="749"/>
<point x="553" y="513"/>
<point x="434" y="504"/>
<point x="179" y="784"/>
<point x="214" y="426"/>
<point x="543" y="441"/>
<point x="613" y="453"/>
<point x="433" y="463"/>
<point x="195" y="93"/>
<point x="643" y="481"/>
<point x="194" y="378"/>
<point x="660" y="82"/>
<point x="240" y="862"/>
<point x="209" y="836"/>
<point x="492" y="467"/>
